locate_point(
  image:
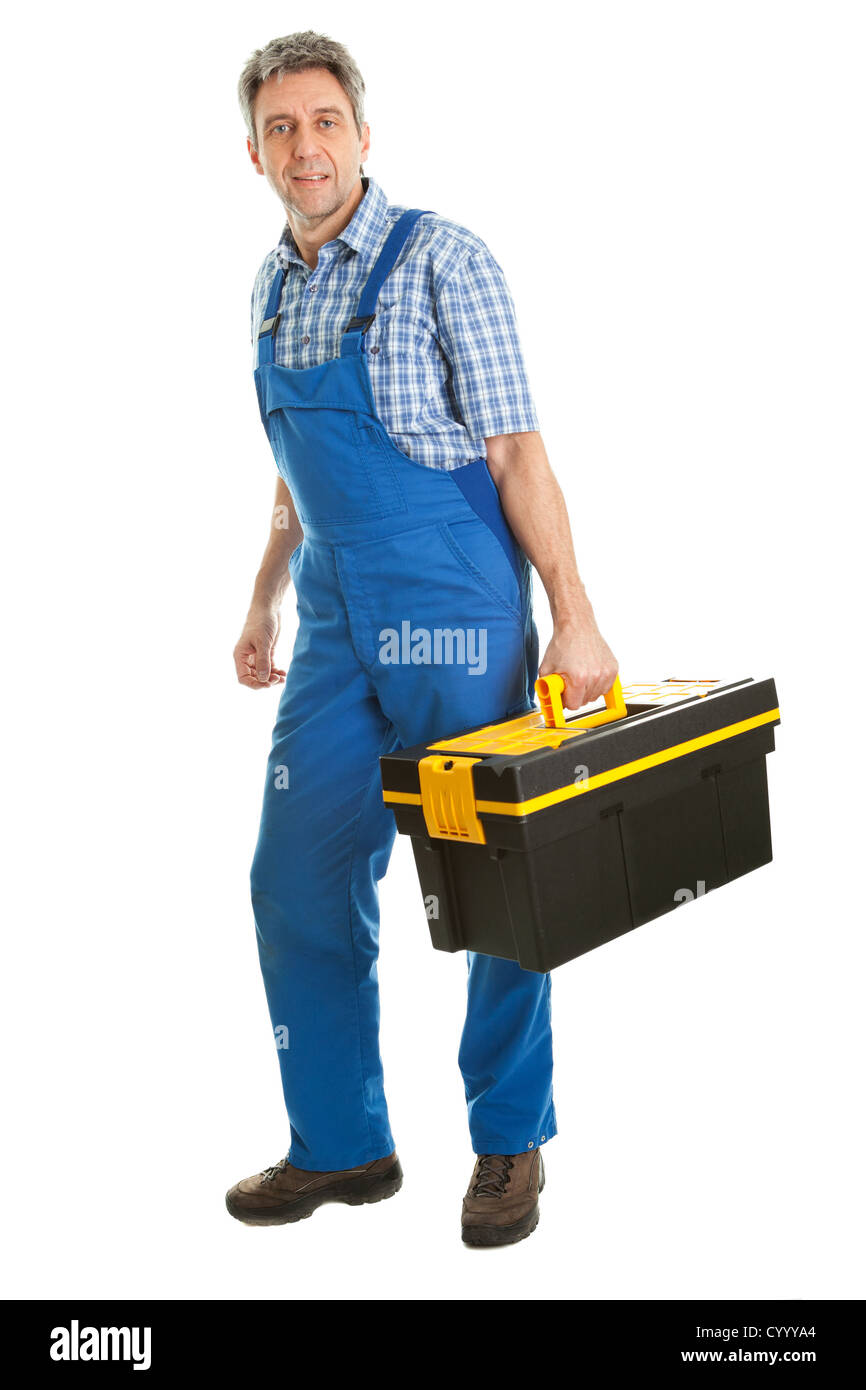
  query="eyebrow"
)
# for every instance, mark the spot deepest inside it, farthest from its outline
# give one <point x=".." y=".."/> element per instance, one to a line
<point x="319" y="111"/>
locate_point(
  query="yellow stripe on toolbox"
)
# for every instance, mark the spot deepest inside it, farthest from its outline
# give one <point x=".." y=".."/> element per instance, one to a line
<point x="614" y="774"/>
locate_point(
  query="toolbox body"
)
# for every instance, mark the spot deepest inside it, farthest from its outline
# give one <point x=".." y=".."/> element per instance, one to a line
<point x="539" y="843"/>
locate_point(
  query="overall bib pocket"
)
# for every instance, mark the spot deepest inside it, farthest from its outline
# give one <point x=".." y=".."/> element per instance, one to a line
<point x="323" y="443"/>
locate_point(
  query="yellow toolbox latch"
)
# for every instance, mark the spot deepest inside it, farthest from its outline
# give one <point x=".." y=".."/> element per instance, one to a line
<point x="448" y="798"/>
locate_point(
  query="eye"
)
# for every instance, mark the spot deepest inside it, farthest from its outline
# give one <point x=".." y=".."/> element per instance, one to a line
<point x="327" y="121"/>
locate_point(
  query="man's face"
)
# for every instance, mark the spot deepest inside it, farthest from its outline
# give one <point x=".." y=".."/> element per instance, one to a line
<point x="305" y="127"/>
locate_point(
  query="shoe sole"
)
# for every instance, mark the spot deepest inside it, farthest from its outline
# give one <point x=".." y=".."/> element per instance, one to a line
<point x="482" y="1237"/>
<point x="354" y="1192"/>
<point x="488" y="1236"/>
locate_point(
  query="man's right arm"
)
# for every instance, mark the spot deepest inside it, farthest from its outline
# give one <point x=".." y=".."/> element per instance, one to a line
<point x="254" y="653"/>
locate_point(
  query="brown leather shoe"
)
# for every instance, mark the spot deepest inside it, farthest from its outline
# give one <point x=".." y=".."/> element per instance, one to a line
<point x="285" y="1193"/>
<point x="501" y="1204"/>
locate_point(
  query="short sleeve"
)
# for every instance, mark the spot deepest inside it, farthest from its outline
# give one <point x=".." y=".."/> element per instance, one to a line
<point x="259" y="297"/>
<point x="478" y="335"/>
<point x="255" y="308"/>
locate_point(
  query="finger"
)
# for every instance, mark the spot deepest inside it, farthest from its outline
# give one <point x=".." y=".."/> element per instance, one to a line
<point x="263" y="666"/>
<point x="246" y="670"/>
<point x="243" y="665"/>
<point x="575" y="692"/>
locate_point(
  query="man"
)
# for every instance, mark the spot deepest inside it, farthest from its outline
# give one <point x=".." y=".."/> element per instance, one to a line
<point x="388" y="369"/>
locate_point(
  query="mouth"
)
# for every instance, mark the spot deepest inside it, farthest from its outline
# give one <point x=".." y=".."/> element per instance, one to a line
<point x="309" y="178"/>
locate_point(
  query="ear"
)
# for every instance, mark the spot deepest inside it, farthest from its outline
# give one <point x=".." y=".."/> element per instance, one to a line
<point x="254" y="157"/>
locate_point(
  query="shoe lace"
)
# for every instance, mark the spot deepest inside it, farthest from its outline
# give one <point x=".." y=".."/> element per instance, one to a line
<point x="268" y="1174"/>
<point x="492" y="1175"/>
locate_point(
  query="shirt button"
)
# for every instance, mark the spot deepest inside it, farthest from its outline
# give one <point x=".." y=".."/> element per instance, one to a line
<point x="374" y="349"/>
<point x="313" y="289"/>
<point x="305" y="339"/>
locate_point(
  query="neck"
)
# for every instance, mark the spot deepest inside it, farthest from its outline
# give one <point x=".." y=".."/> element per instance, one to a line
<point x="309" y="240"/>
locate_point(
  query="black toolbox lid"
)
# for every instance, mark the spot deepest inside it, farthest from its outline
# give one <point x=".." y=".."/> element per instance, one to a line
<point x="520" y="760"/>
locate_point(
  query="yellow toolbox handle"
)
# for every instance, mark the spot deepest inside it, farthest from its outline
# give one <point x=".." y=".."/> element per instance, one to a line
<point x="549" y="691"/>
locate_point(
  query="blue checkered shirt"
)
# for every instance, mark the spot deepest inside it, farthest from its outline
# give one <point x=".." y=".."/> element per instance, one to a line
<point x="446" y="366"/>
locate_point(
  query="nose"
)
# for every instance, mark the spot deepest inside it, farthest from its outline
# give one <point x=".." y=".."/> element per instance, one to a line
<point x="306" y="143"/>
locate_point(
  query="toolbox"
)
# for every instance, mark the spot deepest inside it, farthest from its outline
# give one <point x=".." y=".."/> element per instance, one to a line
<point x="541" y="837"/>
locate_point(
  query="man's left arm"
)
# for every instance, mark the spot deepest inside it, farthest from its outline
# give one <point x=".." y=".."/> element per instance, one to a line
<point x="535" y="509"/>
<point x="478" y="333"/>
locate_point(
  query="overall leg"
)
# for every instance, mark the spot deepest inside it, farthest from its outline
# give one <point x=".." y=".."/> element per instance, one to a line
<point x="506" y="1056"/>
<point x="324" y="842"/>
<point x="506" y="1050"/>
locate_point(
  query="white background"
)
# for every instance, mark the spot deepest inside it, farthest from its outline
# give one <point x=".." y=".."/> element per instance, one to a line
<point x="675" y="192"/>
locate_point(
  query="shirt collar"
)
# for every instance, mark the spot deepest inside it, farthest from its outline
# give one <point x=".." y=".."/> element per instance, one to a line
<point x="363" y="234"/>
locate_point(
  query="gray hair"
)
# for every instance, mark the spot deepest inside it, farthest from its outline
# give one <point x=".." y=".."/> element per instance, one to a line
<point x="296" y="53"/>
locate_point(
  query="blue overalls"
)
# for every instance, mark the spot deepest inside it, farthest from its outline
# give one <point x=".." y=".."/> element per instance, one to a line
<point x="392" y="549"/>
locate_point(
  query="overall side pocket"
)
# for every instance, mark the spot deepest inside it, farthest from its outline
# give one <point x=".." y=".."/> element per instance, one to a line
<point x="481" y="556"/>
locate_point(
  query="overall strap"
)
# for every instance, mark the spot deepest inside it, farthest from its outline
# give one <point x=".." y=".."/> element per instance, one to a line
<point x="271" y="320"/>
<point x="357" y="326"/>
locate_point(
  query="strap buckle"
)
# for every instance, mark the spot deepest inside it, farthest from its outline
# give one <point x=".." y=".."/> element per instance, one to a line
<point x="269" y="325"/>
<point x="361" y="321"/>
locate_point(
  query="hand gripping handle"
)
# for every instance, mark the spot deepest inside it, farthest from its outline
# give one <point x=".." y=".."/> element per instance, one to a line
<point x="549" y="691"/>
